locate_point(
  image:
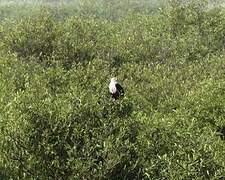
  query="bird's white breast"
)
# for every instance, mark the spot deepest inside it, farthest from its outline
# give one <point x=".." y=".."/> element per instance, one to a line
<point x="112" y="87"/>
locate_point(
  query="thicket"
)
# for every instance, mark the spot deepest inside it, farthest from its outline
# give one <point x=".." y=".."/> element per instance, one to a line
<point x="58" y="120"/>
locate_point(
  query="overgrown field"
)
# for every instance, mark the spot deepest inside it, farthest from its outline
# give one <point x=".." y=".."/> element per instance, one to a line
<point x="58" y="121"/>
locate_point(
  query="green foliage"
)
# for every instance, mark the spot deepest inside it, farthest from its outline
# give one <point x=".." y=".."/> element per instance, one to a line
<point x="58" y="120"/>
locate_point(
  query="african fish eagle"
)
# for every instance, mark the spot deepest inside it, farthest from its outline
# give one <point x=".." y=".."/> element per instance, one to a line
<point x="115" y="89"/>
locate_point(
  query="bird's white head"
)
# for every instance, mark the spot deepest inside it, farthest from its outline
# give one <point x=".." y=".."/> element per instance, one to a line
<point x="113" y="79"/>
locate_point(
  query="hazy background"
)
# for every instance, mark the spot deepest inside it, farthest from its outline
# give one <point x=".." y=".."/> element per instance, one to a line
<point x="110" y="9"/>
<point x="37" y="2"/>
<point x="103" y="8"/>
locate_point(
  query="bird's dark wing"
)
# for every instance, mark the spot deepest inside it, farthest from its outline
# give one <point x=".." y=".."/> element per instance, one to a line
<point x="120" y="89"/>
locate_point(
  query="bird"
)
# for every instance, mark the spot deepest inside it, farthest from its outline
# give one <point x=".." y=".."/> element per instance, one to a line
<point x="115" y="89"/>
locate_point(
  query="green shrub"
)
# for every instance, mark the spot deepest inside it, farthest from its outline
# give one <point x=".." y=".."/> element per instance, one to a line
<point x="32" y="38"/>
<point x="58" y="120"/>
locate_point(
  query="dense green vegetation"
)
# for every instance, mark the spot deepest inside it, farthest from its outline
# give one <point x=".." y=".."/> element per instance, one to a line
<point x="58" y="120"/>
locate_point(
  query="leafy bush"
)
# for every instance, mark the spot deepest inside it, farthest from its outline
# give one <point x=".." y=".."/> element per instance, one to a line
<point x="58" y="120"/>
